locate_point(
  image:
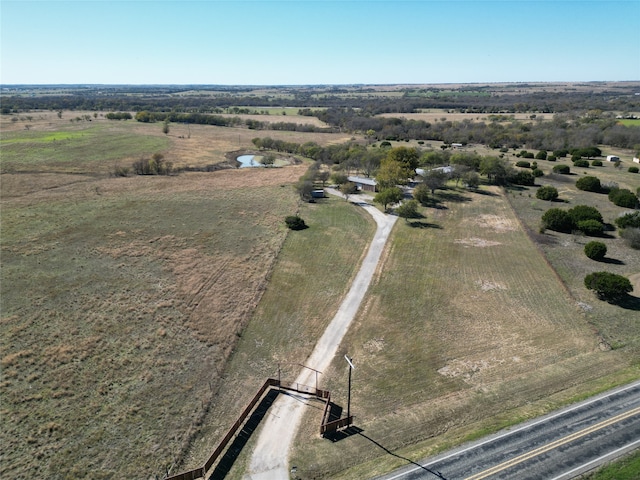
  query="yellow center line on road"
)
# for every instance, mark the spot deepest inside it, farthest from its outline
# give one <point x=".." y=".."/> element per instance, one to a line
<point x="555" y="444"/>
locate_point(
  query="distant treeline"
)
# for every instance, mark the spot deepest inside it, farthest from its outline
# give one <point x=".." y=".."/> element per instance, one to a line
<point x="225" y="121"/>
<point x="563" y="131"/>
<point x="156" y="99"/>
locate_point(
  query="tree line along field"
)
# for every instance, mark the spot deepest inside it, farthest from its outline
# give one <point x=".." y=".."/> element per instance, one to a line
<point x="114" y="290"/>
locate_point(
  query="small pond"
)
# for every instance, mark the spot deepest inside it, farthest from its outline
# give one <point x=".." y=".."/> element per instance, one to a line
<point x="248" y="161"/>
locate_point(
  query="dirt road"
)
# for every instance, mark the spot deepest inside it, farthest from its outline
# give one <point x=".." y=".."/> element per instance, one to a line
<point x="270" y="458"/>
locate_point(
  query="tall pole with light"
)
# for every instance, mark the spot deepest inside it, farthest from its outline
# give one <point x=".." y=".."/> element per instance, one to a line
<point x="351" y="367"/>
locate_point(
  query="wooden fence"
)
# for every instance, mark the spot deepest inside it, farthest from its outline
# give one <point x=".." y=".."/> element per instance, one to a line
<point x="200" y="472"/>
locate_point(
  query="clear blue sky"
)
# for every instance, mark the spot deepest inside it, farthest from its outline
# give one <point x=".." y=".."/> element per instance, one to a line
<point x="318" y="42"/>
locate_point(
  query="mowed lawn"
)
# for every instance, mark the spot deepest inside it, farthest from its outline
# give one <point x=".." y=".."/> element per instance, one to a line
<point x="466" y="329"/>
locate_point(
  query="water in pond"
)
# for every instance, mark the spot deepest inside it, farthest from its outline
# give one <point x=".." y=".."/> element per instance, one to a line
<point x="248" y="161"/>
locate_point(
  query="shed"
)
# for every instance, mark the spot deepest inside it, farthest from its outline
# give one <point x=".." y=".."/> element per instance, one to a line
<point x="613" y="158"/>
<point x="364" y="184"/>
<point x="317" y="193"/>
<point x="636" y="160"/>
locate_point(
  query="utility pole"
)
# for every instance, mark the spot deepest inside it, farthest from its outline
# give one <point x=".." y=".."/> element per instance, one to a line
<point x="351" y="367"/>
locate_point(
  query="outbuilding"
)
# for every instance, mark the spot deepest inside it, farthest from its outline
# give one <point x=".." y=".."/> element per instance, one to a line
<point x="364" y="184"/>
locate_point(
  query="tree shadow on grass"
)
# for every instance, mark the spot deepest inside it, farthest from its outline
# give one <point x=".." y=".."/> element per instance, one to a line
<point x="486" y="193"/>
<point x="435" y="474"/>
<point x="423" y="224"/>
<point x="628" y="302"/>
<point x="447" y="196"/>
<point x="612" y="261"/>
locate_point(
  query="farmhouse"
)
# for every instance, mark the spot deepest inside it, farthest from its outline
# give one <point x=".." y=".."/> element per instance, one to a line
<point x="364" y="184"/>
<point x="422" y="172"/>
<point x="613" y="158"/>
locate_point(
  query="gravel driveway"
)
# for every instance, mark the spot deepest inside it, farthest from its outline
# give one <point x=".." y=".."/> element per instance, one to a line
<point x="270" y="458"/>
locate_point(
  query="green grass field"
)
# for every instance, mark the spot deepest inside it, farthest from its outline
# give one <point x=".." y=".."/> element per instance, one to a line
<point x="81" y="149"/>
<point x="630" y="122"/>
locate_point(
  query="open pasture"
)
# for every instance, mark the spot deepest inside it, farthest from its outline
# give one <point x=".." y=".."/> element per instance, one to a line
<point x="467" y="329"/>
<point x="439" y="115"/>
<point x="122" y="298"/>
<point x="53" y="144"/>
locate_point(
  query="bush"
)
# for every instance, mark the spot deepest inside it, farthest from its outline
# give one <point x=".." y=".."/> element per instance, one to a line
<point x="608" y="286"/>
<point x="628" y="220"/>
<point x="294" y="222"/>
<point x="585" y="212"/>
<point x="523" y="164"/>
<point x="631" y="237"/>
<point x="562" y="169"/>
<point x="156" y="165"/>
<point x="596" y="163"/>
<point x="589" y="184"/>
<point x="421" y="194"/>
<point x="590" y="227"/>
<point x="623" y="197"/>
<point x="119" y="171"/>
<point x="595" y="250"/>
<point x="581" y="163"/>
<point x="339" y="178"/>
<point x="551" y="158"/>
<point x="523" y="177"/>
<point x="560" y="153"/>
<point x="547" y="192"/>
<point x="408" y="209"/>
<point x="557" y="220"/>
<point x="634" y="169"/>
<point x="537" y="172"/>
<point x="541" y="155"/>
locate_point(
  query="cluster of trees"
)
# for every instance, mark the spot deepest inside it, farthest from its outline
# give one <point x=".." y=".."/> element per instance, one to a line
<point x="287" y="126"/>
<point x="622" y="197"/>
<point x="557" y="134"/>
<point x="118" y="116"/>
<point x="156" y="165"/>
<point x="194" y="118"/>
<point x="583" y="218"/>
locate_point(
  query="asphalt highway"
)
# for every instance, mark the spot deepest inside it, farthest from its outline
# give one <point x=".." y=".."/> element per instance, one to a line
<point x="558" y="446"/>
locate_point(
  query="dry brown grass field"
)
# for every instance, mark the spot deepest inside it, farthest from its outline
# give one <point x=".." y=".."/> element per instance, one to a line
<point x="436" y="115"/>
<point x="122" y="298"/>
